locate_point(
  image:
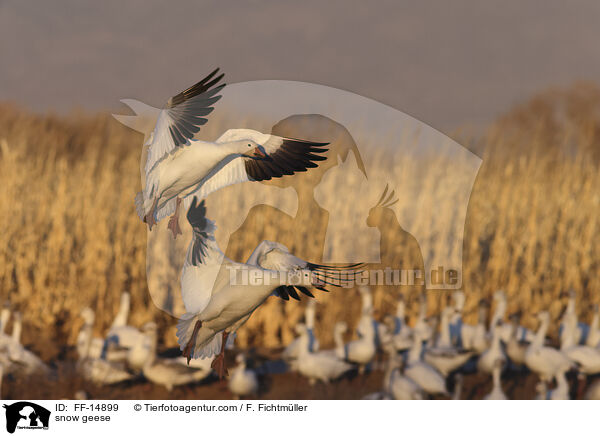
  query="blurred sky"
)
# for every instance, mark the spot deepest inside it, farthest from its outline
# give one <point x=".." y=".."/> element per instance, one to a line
<point x="448" y="63"/>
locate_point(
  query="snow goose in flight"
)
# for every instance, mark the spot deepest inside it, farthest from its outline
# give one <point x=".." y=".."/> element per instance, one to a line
<point x="178" y="167"/>
<point x="219" y="297"/>
<point x="243" y="381"/>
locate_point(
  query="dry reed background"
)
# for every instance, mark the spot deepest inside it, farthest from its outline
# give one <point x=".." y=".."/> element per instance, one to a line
<point x="70" y="236"/>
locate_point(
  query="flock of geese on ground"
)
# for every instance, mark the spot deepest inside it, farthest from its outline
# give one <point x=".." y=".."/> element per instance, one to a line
<point x="421" y="360"/>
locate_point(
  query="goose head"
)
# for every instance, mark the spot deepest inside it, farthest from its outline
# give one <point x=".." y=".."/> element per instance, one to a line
<point x="247" y="148"/>
<point x="240" y="360"/>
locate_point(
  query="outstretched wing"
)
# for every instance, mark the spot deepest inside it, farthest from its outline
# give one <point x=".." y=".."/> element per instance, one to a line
<point x="182" y="118"/>
<point x="203" y="261"/>
<point x="285" y="156"/>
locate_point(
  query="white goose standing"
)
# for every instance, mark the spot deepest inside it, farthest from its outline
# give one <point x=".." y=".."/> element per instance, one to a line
<point x="167" y="372"/>
<point x="401" y="333"/>
<point x="216" y="292"/>
<point x="96" y="369"/>
<point x="292" y="350"/>
<point x="490" y="357"/>
<point x="423" y="374"/>
<point x="178" y="167"/>
<point x="516" y="347"/>
<point x="243" y="381"/>
<point x="21" y="358"/>
<point x="322" y="365"/>
<point x="547" y="362"/>
<point x="120" y="334"/>
<point x="497" y="392"/>
<point x="362" y="350"/>
<point x="444" y="356"/>
<point x="571" y="330"/>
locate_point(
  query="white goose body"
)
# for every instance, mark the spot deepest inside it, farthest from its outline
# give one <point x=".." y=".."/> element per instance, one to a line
<point x="422" y="327"/>
<point x="561" y="392"/>
<point x="103" y="372"/>
<point x="17" y="356"/>
<point x="490" y="357"/>
<point x="444" y="357"/>
<point x="167" y="372"/>
<point x="474" y="337"/>
<point x="515" y="347"/>
<point x="497" y="392"/>
<point x="96" y="369"/>
<point x="587" y="358"/>
<point x="547" y="362"/>
<point x="323" y="365"/>
<point x="362" y="350"/>
<point x="120" y="334"/>
<point x="404" y="388"/>
<point x="423" y="374"/>
<point x="401" y="333"/>
<point x="571" y="330"/>
<point x="292" y="350"/>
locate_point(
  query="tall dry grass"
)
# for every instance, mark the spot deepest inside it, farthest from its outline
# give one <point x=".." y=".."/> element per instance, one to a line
<point x="70" y="236"/>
